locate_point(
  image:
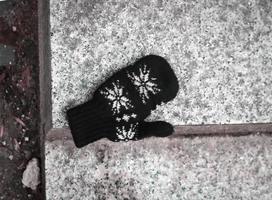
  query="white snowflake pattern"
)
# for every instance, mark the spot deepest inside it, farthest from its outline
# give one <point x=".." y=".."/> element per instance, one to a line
<point x="126" y="134"/>
<point x="144" y="83"/>
<point x="117" y="97"/>
<point x="126" y="117"/>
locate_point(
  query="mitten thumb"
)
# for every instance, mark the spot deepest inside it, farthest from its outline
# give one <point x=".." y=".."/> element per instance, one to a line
<point x="157" y="129"/>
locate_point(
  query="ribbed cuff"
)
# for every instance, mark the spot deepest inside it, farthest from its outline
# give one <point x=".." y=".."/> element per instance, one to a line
<point x="89" y="122"/>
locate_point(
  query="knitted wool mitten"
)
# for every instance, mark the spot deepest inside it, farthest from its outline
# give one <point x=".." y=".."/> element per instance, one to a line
<point x="120" y="104"/>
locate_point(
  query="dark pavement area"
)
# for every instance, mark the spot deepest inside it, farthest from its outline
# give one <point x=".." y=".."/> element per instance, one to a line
<point x="19" y="100"/>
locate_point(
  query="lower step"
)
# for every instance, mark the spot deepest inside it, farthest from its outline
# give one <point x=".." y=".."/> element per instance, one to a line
<point x="161" y="168"/>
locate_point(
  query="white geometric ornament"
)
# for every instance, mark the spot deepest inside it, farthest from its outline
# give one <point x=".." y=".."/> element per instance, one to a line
<point x="126" y="117"/>
<point x="126" y="134"/>
<point x="116" y="97"/>
<point x="144" y="83"/>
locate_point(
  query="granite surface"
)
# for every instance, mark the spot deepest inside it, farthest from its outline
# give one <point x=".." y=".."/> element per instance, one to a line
<point x="225" y="168"/>
<point x="221" y="52"/>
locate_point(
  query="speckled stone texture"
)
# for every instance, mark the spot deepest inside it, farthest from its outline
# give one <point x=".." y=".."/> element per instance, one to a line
<point x="220" y="50"/>
<point x="225" y="168"/>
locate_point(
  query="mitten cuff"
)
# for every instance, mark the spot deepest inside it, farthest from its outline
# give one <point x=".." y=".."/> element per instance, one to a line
<point x="88" y="122"/>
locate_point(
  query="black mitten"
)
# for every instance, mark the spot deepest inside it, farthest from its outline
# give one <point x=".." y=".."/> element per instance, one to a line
<point x="120" y="104"/>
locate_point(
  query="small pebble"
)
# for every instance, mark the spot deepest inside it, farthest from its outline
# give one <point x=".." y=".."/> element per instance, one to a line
<point x="11" y="157"/>
<point x="26" y="139"/>
<point x="14" y="28"/>
<point x="31" y="175"/>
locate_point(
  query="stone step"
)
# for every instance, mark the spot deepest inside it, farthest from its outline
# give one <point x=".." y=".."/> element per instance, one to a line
<point x="161" y="168"/>
<point x="220" y="57"/>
